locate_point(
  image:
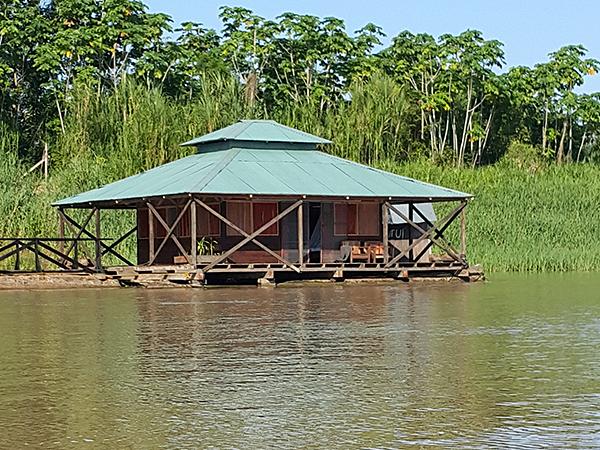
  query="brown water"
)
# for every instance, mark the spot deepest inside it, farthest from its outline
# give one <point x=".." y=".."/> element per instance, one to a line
<point x="514" y="362"/>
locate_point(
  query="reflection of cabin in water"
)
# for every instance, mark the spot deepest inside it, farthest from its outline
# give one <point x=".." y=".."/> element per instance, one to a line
<point x="259" y="199"/>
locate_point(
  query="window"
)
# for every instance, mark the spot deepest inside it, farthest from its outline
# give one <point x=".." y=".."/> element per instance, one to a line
<point x="263" y="213"/>
<point x="356" y="219"/>
<point x="239" y="213"/>
<point x="368" y="219"/>
<point x="250" y="216"/>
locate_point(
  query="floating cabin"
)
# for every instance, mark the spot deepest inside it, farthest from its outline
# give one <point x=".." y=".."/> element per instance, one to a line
<point x="260" y="201"/>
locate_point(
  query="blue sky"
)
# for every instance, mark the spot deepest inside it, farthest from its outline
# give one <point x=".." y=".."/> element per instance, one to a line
<point x="530" y="29"/>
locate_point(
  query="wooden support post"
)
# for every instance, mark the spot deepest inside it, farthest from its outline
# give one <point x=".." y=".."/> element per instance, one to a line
<point x="463" y="231"/>
<point x="18" y="256"/>
<point x="193" y="234"/>
<point x="98" y="264"/>
<point x="61" y="232"/>
<point x="300" y="235"/>
<point x="385" y="221"/>
<point x="151" y="243"/>
<point x="38" y="266"/>
<point x="75" y="255"/>
<point x="411" y="253"/>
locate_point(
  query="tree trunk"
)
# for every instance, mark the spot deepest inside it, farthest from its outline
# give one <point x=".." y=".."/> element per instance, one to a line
<point x="581" y="145"/>
<point x="545" y="126"/>
<point x="561" y="147"/>
<point x="570" y="151"/>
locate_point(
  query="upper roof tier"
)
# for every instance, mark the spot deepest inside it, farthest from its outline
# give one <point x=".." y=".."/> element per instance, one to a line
<point x="236" y="162"/>
<point x="258" y="131"/>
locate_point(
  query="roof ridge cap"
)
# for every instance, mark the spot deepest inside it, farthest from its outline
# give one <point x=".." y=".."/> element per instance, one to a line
<point x="219" y="167"/>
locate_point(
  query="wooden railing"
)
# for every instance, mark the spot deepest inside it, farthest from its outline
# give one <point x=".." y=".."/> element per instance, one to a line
<point x="56" y="254"/>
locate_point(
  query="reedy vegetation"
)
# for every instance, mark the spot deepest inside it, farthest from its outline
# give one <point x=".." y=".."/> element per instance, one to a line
<point x="110" y="104"/>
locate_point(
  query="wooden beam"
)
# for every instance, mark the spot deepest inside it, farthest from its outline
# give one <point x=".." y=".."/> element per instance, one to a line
<point x="245" y="234"/>
<point x="61" y="231"/>
<point x="98" y="263"/>
<point x="250" y="237"/>
<point x="80" y="229"/>
<point x="440" y="237"/>
<point x="427" y="234"/>
<point x="170" y="231"/>
<point x="59" y="263"/>
<point x="463" y="230"/>
<point x="411" y="253"/>
<point x="151" y="235"/>
<point x="193" y="234"/>
<point x="385" y="222"/>
<point x="72" y="223"/>
<point x="439" y="240"/>
<point x="300" y="235"/>
<point x="111" y="247"/>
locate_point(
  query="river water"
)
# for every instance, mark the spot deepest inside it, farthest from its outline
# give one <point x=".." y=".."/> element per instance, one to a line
<point x="514" y="362"/>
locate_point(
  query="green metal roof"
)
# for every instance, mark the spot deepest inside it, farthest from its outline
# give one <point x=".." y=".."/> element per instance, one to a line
<point x="269" y="172"/>
<point x="258" y="131"/>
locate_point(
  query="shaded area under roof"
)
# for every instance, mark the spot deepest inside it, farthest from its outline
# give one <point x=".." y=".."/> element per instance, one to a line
<point x="260" y="131"/>
<point x="243" y="171"/>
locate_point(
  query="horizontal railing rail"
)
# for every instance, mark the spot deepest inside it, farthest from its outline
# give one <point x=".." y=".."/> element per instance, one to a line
<point x="61" y="254"/>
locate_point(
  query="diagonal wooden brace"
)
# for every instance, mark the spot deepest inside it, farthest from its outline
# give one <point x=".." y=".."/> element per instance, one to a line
<point x="427" y="234"/>
<point x="169" y="230"/>
<point x="76" y="228"/>
<point x="112" y="246"/>
<point x="250" y="237"/>
<point x="72" y="223"/>
<point x="438" y="236"/>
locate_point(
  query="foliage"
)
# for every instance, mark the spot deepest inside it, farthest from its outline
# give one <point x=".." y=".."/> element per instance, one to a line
<point x="112" y="92"/>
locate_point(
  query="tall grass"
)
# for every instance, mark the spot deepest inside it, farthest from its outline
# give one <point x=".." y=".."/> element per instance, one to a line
<point x="523" y="218"/>
<point x="545" y="220"/>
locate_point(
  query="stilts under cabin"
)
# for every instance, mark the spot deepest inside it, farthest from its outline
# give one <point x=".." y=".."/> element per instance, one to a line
<point x="261" y="201"/>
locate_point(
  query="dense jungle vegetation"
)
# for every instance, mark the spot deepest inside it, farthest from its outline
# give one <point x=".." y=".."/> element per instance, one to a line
<point x="112" y="89"/>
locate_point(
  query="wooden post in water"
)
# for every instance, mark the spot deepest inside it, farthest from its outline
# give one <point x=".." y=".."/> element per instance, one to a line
<point x="151" y="254"/>
<point x="411" y="254"/>
<point x="300" y="234"/>
<point x="463" y="230"/>
<point x="385" y="215"/>
<point x="97" y="241"/>
<point x="193" y="235"/>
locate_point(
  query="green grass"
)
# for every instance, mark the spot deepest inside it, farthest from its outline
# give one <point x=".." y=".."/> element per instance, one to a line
<point x="522" y="220"/>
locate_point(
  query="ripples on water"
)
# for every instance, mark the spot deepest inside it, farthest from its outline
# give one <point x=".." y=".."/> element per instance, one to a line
<point x="511" y="363"/>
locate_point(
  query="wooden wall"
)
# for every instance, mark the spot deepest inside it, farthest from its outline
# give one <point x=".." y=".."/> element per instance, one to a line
<point x="285" y="243"/>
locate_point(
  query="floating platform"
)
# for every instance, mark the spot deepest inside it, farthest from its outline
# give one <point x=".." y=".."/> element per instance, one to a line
<point x="162" y="276"/>
<point x="273" y="274"/>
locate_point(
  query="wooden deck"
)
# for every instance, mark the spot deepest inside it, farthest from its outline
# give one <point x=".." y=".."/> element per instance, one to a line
<point x="271" y="274"/>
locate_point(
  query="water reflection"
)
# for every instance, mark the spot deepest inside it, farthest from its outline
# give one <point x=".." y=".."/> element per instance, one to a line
<point x="514" y="362"/>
